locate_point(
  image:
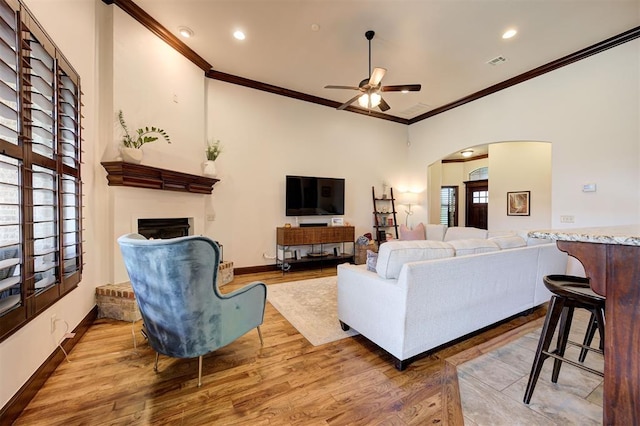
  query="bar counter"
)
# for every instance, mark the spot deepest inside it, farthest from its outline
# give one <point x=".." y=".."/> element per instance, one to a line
<point x="611" y="259"/>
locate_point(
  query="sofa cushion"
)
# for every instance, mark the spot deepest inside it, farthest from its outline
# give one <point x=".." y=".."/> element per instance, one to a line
<point x="372" y="259"/>
<point x="473" y="246"/>
<point x="392" y="255"/>
<point x="509" y="241"/>
<point x="464" y="233"/>
<point x="436" y="231"/>
<point x="417" y="233"/>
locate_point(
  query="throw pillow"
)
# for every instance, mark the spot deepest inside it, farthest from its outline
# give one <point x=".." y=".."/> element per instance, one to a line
<point x="372" y="259"/>
<point x="417" y="233"/>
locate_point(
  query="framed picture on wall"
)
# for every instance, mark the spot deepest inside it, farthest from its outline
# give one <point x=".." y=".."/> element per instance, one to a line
<point x="519" y="203"/>
<point x="337" y="221"/>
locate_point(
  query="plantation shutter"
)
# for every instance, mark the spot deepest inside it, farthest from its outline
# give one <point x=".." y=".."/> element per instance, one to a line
<point x="40" y="180"/>
<point x="12" y="306"/>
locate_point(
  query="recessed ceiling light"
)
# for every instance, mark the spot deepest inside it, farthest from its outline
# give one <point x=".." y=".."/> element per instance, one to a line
<point x="509" y="33"/>
<point x="315" y="27"/>
<point x="404" y="91"/>
<point x="185" y="32"/>
<point x="239" y="35"/>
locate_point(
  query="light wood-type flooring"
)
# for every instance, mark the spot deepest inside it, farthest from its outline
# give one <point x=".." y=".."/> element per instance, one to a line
<point x="286" y="382"/>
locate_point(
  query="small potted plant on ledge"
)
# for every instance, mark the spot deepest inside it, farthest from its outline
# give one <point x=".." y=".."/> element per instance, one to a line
<point x="131" y="149"/>
<point x="213" y="151"/>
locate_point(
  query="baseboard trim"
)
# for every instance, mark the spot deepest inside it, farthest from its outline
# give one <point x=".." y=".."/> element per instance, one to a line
<point x="11" y="411"/>
<point x="254" y="269"/>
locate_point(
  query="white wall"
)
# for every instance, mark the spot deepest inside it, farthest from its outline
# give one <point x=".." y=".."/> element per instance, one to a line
<point x="520" y="166"/>
<point x="266" y="137"/>
<point x="23" y="352"/>
<point x="154" y="86"/>
<point x="588" y="111"/>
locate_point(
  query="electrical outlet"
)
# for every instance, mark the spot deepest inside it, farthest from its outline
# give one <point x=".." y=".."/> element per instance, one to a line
<point x="567" y="219"/>
<point x="53" y="322"/>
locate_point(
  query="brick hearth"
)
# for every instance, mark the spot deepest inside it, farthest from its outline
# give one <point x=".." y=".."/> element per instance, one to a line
<point x="118" y="301"/>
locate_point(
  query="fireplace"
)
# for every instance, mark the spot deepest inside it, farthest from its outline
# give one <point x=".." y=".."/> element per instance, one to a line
<point x="164" y="227"/>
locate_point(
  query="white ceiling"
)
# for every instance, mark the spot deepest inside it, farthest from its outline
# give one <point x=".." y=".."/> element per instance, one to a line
<point x="441" y="44"/>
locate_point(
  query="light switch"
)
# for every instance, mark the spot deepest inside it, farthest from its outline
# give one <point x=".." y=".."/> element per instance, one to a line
<point x="567" y="219"/>
<point x="589" y="187"/>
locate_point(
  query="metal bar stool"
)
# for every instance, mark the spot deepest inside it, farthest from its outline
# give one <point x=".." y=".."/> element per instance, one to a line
<point x="569" y="292"/>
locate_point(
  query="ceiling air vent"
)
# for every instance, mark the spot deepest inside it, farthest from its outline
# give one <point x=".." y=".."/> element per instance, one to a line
<point x="497" y="60"/>
<point x="418" y="108"/>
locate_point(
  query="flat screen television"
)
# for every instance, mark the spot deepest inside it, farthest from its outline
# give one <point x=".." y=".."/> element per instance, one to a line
<point x="313" y="196"/>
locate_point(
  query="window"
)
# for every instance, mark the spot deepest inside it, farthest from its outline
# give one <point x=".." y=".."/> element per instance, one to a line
<point x="481" y="173"/>
<point x="449" y="205"/>
<point x="40" y="186"/>
<point x="480" y="197"/>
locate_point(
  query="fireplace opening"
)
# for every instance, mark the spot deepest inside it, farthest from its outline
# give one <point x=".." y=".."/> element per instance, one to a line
<point x="164" y="228"/>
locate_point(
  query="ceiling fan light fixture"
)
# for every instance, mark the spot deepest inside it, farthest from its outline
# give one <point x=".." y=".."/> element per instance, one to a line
<point x="370" y="88"/>
<point x="363" y="101"/>
<point x="375" y="99"/>
<point x="369" y="100"/>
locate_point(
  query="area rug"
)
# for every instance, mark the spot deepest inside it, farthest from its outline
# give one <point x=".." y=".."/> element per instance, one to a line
<point x="311" y="306"/>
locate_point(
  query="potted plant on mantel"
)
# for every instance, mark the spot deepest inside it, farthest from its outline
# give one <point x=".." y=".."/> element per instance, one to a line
<point x="213" y="151"/>
<point x="131" y="149"/>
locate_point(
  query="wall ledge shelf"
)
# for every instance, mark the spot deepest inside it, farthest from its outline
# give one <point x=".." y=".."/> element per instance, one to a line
<point x="120" y="173"/>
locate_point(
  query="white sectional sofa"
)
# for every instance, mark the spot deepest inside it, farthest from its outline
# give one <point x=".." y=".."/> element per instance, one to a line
<point x="427" y="293"/>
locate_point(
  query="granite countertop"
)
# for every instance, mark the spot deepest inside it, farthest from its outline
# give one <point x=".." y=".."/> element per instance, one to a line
<point x="628" y="235"/>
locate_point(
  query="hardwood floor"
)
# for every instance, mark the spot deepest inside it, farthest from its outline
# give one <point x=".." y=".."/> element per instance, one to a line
<point x="287" y="381"/>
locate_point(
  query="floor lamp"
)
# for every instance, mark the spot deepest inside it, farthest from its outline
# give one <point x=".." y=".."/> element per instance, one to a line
<point x="409" y="198"/>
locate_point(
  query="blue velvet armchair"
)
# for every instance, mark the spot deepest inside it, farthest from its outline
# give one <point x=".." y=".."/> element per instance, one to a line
<point x="184" y="313"/>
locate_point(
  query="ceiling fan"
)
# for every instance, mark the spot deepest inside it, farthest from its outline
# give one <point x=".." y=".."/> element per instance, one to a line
<point x="369" y="89"/>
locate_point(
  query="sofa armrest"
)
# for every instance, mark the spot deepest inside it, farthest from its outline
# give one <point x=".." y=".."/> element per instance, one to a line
<point x="363" y="296"/>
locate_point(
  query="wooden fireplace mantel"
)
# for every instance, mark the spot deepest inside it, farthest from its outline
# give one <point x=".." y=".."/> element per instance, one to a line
<point x="120" y="173"/>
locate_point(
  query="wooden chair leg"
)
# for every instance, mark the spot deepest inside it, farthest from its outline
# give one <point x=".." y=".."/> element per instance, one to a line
<point x="588" y="337"/>
<point x="563" y="338"/>
<point x="553" y="315"/>
<point x="260" y="335"/>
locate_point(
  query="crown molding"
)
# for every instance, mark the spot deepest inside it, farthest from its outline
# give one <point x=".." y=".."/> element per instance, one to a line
<point x="464" y="160"/>
<point x="241" y="81"/>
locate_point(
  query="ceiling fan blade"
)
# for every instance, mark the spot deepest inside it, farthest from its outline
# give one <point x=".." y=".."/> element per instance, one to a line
<point x="402" y="88"/>
<point x="384" y="106"/>
<point x="349" y="102"/>
<point x="341" y="87"/>
<point x="376" y="76"/>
